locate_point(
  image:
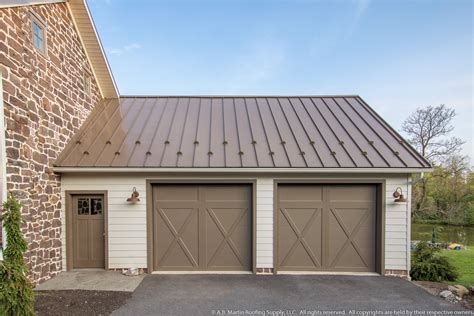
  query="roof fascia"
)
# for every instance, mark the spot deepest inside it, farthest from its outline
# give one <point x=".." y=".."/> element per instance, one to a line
<point x="91" y="21"/>
<point x="238" y="170"/>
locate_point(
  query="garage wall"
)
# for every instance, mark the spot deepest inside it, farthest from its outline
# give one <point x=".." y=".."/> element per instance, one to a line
<point x="397" y="225"/>
<point x="127" y="222"/>
<point x="264" y="223"/>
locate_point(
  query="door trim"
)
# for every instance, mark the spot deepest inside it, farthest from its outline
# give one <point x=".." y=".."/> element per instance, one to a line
<point x="380" y="185"/>
<point x="69" y="235"/>
<point x="150" y="205"/>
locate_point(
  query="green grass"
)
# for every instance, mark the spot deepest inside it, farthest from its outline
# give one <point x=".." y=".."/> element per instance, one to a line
<point x="463" y="260"/>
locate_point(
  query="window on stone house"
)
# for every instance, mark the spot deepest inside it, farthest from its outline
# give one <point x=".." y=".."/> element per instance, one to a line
<point x="39" y="34"/>
<point x="87" y="83"/>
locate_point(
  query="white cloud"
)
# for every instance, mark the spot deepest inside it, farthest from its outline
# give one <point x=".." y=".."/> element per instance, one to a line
<point x="124" y="49"/>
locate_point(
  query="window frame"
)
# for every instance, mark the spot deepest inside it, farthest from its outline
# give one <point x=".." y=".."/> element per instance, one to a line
<point x="35" y="19"/>
<point x="87" y="83"/>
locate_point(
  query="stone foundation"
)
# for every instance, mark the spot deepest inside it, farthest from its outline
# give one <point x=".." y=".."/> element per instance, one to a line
<point x="398" y="273"/>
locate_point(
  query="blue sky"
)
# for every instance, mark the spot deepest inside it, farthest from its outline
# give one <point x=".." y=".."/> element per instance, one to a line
<point x="397" y="55"/>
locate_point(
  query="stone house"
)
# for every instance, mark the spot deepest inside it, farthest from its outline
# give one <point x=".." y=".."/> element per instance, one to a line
<point x="53" y="72"/>
<point x="228" y="184"/>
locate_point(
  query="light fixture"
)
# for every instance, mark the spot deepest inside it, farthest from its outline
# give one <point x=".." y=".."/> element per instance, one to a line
<point x="398" y="195"/>
<point x="134" y="197"/>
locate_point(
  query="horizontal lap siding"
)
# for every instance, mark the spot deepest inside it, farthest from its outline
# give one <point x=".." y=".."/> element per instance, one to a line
<point x="397" y="225"/>
<point x="126" y="222"/>
<point x="264" y="201"/>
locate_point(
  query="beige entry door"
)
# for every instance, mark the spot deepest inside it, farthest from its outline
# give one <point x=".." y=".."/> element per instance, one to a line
<point x="88" y="231"/>
<point x="202" y="227"/>
<point x="327" y="228"/>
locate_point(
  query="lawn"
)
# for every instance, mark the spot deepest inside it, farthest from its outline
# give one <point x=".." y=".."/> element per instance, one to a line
<point x="464" y="262"/>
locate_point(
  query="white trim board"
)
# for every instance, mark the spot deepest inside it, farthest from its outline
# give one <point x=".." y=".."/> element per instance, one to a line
<point x="202" y="272"/>
<point x="327" y="273"/>
<point x="241" y="170"/>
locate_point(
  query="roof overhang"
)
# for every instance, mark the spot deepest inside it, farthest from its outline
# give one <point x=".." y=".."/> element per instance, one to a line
<point x="240" y="170"/>
<point x="93" y="47"/>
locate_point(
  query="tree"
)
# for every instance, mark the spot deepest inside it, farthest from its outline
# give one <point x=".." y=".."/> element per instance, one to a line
<point x="427" y="130"/>
<point x="16" y="291"/>
<point x="448" y="192"/>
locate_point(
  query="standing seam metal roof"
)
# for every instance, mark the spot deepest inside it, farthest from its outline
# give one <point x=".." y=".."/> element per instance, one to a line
<point x="238" y="131"/>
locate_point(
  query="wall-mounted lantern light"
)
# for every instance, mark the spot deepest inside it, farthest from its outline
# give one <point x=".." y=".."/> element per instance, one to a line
<point x="134" y="197"/>
<point x="398" y="195"/>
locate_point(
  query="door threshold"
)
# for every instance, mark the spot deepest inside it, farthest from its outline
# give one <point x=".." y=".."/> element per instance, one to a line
<point x="202" y="272"/>
<point x="328" y="273"/>
<point x="87" y="269"/>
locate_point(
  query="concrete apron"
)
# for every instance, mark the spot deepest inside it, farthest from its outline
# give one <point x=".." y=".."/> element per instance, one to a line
<point x="91" y="280"/>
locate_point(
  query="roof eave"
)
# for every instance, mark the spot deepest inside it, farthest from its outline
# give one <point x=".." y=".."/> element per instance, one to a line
<point x="237" y="170"/>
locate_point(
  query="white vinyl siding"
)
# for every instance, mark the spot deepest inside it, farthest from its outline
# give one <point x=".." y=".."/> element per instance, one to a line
<point x="264" y="201"/>
<point x="397" y="225"/>
<point x="127" y="222"/>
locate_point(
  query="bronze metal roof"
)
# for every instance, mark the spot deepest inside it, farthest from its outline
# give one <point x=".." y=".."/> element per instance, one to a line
<point x="234" y="131"/>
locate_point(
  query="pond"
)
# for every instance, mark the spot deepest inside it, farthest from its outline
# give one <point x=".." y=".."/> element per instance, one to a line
<point x="444" y="233"/>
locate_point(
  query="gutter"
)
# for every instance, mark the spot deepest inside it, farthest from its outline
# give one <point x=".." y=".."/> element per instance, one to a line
<point x="237" y="170"/>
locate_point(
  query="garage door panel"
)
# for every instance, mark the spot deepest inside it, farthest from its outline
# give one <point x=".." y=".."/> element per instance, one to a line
<point x="177" y="193"/>
<point x="301" y="192"/>
<point x="354" y="193"/>
<point x="227" y="234"/>
<point x="176" y="236"/>
<point x="345" y="249"/>
<point x="341" y="238"/>
<point x="296" y="250"/>
<point x="218" y="235"/>
<point x="300" y="258"/>
<point x="226" y="193"/>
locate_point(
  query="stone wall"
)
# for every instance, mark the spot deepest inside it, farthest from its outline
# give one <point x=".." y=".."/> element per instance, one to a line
<point x="45" y="104"/>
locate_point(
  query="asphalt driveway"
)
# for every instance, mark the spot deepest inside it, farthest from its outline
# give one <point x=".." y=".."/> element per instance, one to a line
<point x="276" y="295"/>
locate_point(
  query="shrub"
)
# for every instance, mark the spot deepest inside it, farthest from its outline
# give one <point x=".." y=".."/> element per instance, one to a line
<point x="16" y="291"/>
<point x="428" y="265"/>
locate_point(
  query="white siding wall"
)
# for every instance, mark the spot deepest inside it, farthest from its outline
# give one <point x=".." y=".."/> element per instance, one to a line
<point x="127" y="222"/>
<point x="264" y="203"/>
<point x="397" y="225"/>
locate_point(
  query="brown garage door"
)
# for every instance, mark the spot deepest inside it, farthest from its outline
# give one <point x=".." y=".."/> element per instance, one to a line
<point x="202" y="227"/>
<point x="327" y="228"/>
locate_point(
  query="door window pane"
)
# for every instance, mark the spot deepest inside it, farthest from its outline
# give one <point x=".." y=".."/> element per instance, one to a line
<point x="83" y="206"/>
<point x="96" y="206"/>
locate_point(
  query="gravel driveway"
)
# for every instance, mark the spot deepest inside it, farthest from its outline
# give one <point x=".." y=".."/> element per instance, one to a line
<point x="276" y="295"/>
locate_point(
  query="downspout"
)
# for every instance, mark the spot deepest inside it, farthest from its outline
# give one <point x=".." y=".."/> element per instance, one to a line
<point x="3" y="168"/>
<point x="409" y="196"/>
